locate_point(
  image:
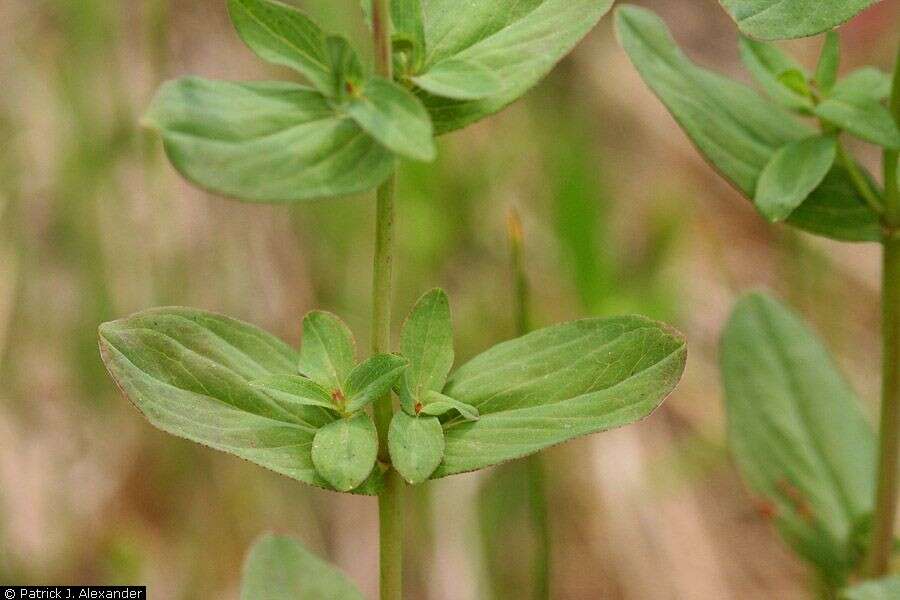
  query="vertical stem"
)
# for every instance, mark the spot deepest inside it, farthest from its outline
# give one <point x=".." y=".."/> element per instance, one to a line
<point x="390" y="513"/>
<point x="534" y="467"/>
<point x="889" y="438"/>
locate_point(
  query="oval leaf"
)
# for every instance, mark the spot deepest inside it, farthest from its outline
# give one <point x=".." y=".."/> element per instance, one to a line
<point x="344" y="451"/>
<point x="459" y="79"/>
<point x="416" y="445"/>
<point x="796" y="431"/>
<point x="426" y="341"/>
<point x="394" y="117"/>
<point x="265" y="142"/>
<point x="327" y="350"/>
<point x="373" y="379"/>
<point x="784" y="19"/>
<point x="792" y="175"/>
<point x="282" y="35"/>
<point x="518" y="42"/>
<point x="279" y="568"/>
<point x="296" y="388"/>
<point x="559" y="383"/>
<point x="734" y="128"/>
<point x="189" y="373"/>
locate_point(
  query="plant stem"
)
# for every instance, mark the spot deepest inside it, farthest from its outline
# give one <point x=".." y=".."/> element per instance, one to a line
<point x="390" y="511"/>
<point x="534" y="467"/>
<point x="859" y="180"/>
<point x="889" y="438"/>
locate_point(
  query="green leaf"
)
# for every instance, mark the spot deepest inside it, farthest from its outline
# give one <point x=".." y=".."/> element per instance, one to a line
<point x="427" y="342"/>
<point x="295" y="388"/>
<point x="279" y="568"/>
<point x="265" y="142"/>
<point x="327" y="350"/>
<point x="784" y="19"/>
<point x="867" y="82"/>
<point x="282" y="35"/>
<point x="796" y="431"/>
<point x="344" y="451"/>
<point x="459" y="79"/>
<point x="829" y="61"/>
<point x="190" y="372"/>
<point x="795" y="80"/>
<point x="347" y="75"/>
<point x="437" y="404"/>
<point x="793" y="173"/>
<point x="855" y="105"/>
<point x="836" y="210"/>
<point x="394" y="117"/>
<point x="880" y="589"/>
<point x="518" y="42"/>
<point x="767" y="63"/>
<point x="416" y="445"/>
<point x="731" y="125"/>
<point x="558" y="383"/>
<point x="735" y="129"/>
<point x="373" y="379"/>
<point x="406" y="16"/>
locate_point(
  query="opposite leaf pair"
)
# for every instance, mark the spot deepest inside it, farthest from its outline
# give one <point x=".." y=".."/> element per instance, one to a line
<point x="416" y="436"/>
<point x="233" y="387"/>
<point x="284" y="142"/>
<point x="788" y="169"/>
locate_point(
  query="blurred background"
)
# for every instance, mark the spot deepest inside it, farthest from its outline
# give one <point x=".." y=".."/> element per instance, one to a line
<point x="620" y="216"/>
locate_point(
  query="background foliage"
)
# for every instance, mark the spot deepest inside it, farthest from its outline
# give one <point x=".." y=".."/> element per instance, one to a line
<point x="620" y="216"/>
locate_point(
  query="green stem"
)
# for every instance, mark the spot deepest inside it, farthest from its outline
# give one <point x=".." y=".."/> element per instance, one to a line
<point x="390" y="509"/>
<point x="534" y="467"/>
<point x="889" y="438"/>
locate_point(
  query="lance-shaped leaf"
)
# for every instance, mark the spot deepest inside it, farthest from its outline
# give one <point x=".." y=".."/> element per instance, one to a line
<point x="416" y="445"/>
<point x="296" y="388"/>
<point x="767" y="63"/>
<point x="344" y="451"/>
<point x="279" y="568"/>
<point x="879" y="589"/>
<point x="855" y="107"/>
<point x="437" y="404"/>
<point x="373" y="379"/>
<point x="829" y="61"/>
<point x="792" y="175"/>
<point x="559" y="383"/>
<point x="734" y="128"/>
<point x="459" y="79"/>
<point x="395" y="117"/>
<point x="518" y="42"/>
<point x="282" y="35"/>
<point x="784" y="19"/>
<point x="426" y="341"/>
<point x="327" y="349"/>
<point x="190" y="372"/>
<point x="796" y="431"/>
<point x="265" y="142"/>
